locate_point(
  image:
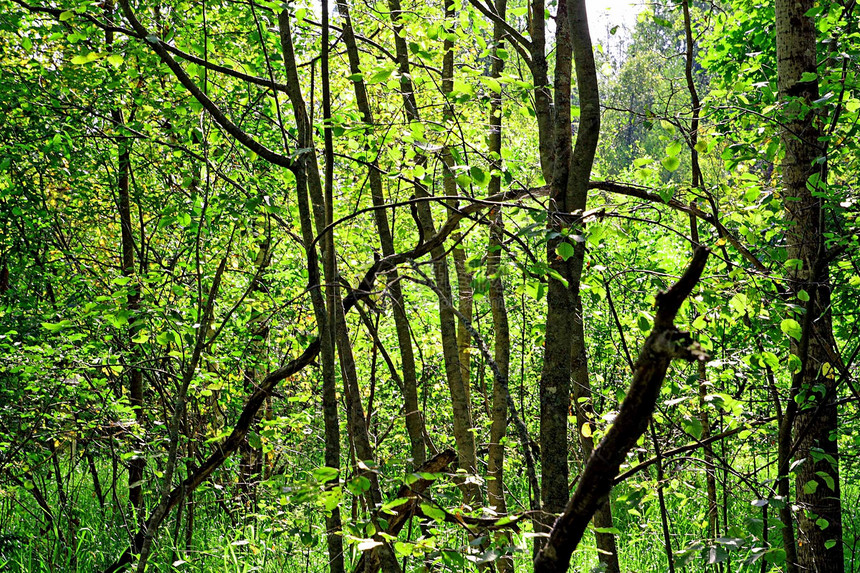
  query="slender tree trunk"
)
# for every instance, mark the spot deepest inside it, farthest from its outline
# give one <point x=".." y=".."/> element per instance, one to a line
<point x="135" y="384"/>
<point x="661" y="499"/>
<point x="414" y="417"/>
<point x="569" y="188"/>
<point x="501" y="330"/>
<point x="555" y="375"/>
<point x="584" y="408"/>
<point x="251" y="458"/>
<point x="306" y="187"/>
<point x="803" y="179"/>
<point x="697" y="182"/>
<point x="664" y="344"/>
<point x="457" y="386"/>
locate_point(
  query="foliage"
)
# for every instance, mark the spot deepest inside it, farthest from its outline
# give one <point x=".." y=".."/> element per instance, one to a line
<point x="226" y="246"/>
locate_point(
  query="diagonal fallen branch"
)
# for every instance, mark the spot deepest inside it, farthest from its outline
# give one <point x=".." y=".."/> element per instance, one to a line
<point x="665" y="344"/>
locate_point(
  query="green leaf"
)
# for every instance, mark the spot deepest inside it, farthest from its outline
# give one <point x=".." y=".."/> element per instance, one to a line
<point x="453" y="559"/>
<point x="461" y="87"/>
<point x="56" y="327"/>
<point x="387" y="507"/>
<point x="810" y="486"/>
<point x="612" y="530"/>
<point x="671" y="163"/>
<point x="666" y="192"/>
<point x="790" y="327"/>
<point x="828" y="479"/>
<point x="557" y="276"/>
<point x="674" y="149"/>
<point x="432" y="512"/>
<point x="66" y="16"/>
<point x="692" y="426"/>
<point x="770" y="359"/>
<point x="381" y="75"/>
<point x="81" y="59"/>
<point x="493" y="84"/>
<point x="478" y="175"/>
<point x="358" y="485"/>
<point x="324" y="474"/>
<point x="403" y="548"/>
<point x="115" y="60"/>
<point x="564" y="250"/>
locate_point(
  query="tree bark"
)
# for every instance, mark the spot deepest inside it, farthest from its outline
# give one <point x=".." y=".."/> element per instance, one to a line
<point x="584" y="409"/>
<point x="308" y="184"/>
<point x="137" y="463"/>
<point x="498" y="309"/>
<point x="803" y="181"/>
<point x="571" y="170"/>
<point x="457" y="387"/>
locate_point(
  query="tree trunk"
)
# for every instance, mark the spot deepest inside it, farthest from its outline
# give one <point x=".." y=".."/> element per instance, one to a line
<point x="571" y="170"/>
<point x="135" y="384"/>
<point x="308" y="184"/>
<point x="457" y="387"/>
<point x="664" y="344"/>
<point x="501" y="330"/>
<point x="414" y="417"/>
<point x="803" y="180"/>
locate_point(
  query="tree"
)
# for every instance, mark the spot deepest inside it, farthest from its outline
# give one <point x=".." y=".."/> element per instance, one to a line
<point x="810" y="422"/>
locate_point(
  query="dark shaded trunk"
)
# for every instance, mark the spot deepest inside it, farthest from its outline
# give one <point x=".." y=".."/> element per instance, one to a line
<point x="137" y="463"/>
<point x="308" y="185"/>
<point x="555" y="375"/>
<point x="570" y="173"/>
<point x="607" y="551"/>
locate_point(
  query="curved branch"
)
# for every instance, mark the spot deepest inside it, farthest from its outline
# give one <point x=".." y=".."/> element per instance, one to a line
<point x="644" y="193"/>
<point x="217" y="114"/>
<point x="221" y="453"/>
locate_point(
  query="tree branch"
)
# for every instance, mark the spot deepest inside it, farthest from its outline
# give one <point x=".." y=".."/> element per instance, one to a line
<point x="663" y="345"/>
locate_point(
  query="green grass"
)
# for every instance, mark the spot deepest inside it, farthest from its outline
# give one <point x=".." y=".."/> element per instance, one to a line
<point x="283" y="538"/>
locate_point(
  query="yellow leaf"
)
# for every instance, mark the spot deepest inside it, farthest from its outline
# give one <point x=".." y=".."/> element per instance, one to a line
<point x="586" y="430"/>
